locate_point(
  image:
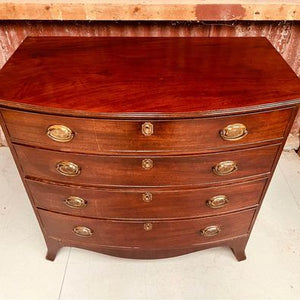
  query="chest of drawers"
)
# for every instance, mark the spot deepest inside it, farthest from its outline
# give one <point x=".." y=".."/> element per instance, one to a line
<point x="147" y="147"/>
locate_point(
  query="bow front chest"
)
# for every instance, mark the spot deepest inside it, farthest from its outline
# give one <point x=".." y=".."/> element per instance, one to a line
<point x="147" y="147"/>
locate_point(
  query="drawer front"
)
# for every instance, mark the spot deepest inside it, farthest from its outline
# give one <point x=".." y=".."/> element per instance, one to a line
<point x="146" y="203"/>
<point x="125" y="136"/>
<point x="144" y="171"/>
<point x="149" y="235"/>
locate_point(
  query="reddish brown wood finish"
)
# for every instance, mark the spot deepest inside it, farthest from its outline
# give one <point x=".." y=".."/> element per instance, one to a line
<point x="128" y="171"/>
<point x="128" y="203"/>
<point x="125" y="136"/>
<point x="237" y="245"/>
<point x="163" y="235"/>
<point x="53" y="246"/>
<point x="134" y="76"/>
<point x="169" y="82"/>
<point x="284" y="36"/>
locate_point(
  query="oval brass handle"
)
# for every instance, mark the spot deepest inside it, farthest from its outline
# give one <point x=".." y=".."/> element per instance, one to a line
<point x="234" y="132"/>
<point x="147" y="197"/>
<point x="68" y="168"/>
<point x="83" y="231"/>
<point x="147" y="163"/>
<point x="148" y="226"/>
<point x="147" y="129"/>
<point x="210" y="231"/>
<point x="75" y="202"/>
<point x="60" y="133"/>
<point x="217" y="201"/>
<point x="225" y="168"/>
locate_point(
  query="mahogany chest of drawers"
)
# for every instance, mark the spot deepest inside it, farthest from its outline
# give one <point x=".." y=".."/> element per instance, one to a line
<point x="147" y="147"/>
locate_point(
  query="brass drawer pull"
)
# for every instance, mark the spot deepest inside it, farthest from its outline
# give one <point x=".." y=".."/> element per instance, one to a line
<point x="233" y="132"/>
<point x="68" y="168"/>
<point x="75" y="202"/>
<point x="147" y="164"/>
<point x="147" y="197"/>
<point x="60" y="133"/>
<point x="225" y="168"/>
<point x="147" y="129"/>
<point x="217" y="201"/>
<point x="83" y="231"/>
<point x="210" y="231"/>
<point x="148" y="226"/>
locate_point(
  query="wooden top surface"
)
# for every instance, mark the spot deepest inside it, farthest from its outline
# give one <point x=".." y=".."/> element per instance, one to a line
<point x="146" y="76"/>
<point x="150" y="10"/>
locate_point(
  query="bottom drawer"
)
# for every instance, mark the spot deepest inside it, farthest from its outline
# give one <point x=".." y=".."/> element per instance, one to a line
<point x="146" y="235"/>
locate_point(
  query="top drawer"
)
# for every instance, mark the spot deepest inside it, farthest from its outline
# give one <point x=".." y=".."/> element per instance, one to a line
<point x="158" y="136"/>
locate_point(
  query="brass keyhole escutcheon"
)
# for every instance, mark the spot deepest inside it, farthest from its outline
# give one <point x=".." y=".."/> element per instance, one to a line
<point x="68" y="168"/>
<point x="147" y="129"/>
<point x="225" y="168"/>
<point x="234" y="132"/>
<point x="147" y="164"/>
<point x="83" y="231"/>
<point x="217" y="201"/>
<point x="60" y="133"/>
<point x="147" y="197"/>
<point x="148" y="226"/>
<point x="210" y="231"/>
<point x="75" y="202"/>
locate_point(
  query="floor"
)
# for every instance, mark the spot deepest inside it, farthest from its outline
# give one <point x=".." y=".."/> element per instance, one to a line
<point x="271" y="271"/>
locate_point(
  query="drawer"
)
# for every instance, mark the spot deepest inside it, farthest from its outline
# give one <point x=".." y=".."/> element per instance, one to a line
<point x="125" y="136"/>
<point x="145" y="170"/>
<point x="145" y="203"/>
<point x="148" y="235"/>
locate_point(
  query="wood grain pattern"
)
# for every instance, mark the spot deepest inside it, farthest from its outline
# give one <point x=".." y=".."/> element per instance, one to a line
<point x="159" y="231"/>
<point x="152" y="75"/>
<point x="128" y="203"/>
<point x="184" y="170"/>
<point x="126" y="137"/>
<point x="131" y="234"/>
<point x="283" y="36"/>
<point x="237" y="245"/>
